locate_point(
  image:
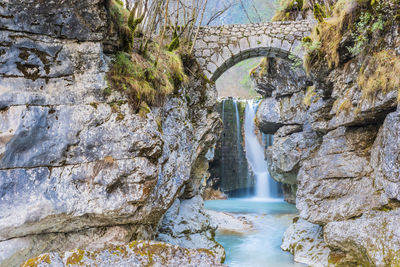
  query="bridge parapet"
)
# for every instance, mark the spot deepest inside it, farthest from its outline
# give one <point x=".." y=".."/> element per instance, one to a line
<point x="220" y="47"/>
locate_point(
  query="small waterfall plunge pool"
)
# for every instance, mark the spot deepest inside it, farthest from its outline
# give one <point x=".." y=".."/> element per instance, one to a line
<point x="259" y="248"/>
<point x="262" y="201"/>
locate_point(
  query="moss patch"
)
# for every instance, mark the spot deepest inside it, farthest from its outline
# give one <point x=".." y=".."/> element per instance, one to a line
<point x="76" y="257"/>
<point x="34" y="262"/>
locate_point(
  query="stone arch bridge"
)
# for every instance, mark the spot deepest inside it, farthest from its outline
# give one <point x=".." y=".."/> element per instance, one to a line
<point x="220" y="47"/>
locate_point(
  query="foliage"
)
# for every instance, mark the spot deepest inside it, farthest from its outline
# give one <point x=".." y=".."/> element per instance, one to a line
<point x="296" y="61"/>
<point x="366" y="25"/>
<point x="262" y="67"/>
<point x="120" y="16"/>
<point x="174" y="43"/>
<point x="344" y="106"/>
<point x="319" y="13"/>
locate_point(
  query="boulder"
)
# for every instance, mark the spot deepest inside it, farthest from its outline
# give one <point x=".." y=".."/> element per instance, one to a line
<point x="306" y="242"/>
<point x="278" y="77"/>
<point x="187" y="224"/>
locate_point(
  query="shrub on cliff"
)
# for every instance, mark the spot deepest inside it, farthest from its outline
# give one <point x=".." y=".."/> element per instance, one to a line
<point x="295" y="9"/>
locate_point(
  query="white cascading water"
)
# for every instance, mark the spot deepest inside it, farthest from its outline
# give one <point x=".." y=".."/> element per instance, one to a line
<point x="255" y="154"/>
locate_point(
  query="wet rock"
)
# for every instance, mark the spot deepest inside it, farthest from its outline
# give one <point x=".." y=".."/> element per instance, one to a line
<point x="230" y="161"/>
<point x="289" y="192"/>
<point x="137" y="253"/>
<point x="187" y="224"/>
<point x="230" y="223"/>
<point x="306" y="242"/>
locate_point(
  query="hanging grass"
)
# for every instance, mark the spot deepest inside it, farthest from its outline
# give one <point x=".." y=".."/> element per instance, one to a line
<point x="146" y="80"/>
<point x="380" y="73"/>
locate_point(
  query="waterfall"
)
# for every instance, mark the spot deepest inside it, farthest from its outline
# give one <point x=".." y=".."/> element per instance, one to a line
<point x="240" y="155"/>
<point x="265" y="188"/>
<point x="222" y="174"/>
<point x="238" y="130"/>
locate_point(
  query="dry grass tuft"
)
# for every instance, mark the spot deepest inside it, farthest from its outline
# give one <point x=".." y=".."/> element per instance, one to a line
<point x="329" y="32"/>
<point x="380" y="73"/>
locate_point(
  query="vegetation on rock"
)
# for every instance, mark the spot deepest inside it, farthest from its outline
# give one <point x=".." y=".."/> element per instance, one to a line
<point x="285" y="11"/>
<point x="147" y="80"/>
<point x="294" y="9"/>
<point x="380" y="72"/>
<point x="356" y="29"/>
<point x="147" y="74"/>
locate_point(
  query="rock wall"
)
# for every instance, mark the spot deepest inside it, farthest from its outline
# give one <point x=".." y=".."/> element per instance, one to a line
<point x="79" y="169"/>
<point x="340" y="149"/>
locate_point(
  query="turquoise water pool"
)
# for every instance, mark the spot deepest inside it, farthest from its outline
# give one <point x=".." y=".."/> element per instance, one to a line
<point x="260" y="248"/>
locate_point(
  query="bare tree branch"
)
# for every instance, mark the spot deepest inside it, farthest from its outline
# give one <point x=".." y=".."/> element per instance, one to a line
<point x="219" y="13"/>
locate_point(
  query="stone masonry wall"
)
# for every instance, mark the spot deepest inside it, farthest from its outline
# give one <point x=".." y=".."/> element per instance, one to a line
<point x="219" y="48"/>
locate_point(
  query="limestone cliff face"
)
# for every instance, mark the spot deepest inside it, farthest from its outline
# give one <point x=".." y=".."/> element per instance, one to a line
<point x="79" y="169"/>
<point x="339" y="145"/>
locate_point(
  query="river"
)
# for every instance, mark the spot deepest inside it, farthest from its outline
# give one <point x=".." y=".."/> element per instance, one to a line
<point x="259" y="248"/>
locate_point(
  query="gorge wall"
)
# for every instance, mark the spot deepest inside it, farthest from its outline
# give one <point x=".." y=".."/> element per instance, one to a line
<point x="337" y="134"/>
<point x="79" y="168"/>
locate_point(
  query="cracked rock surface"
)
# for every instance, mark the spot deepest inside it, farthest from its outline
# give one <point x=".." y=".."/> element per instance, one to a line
<point x="78" y="168"/>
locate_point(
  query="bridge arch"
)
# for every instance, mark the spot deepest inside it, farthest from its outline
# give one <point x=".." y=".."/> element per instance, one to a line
<point x="219" y="48"/>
